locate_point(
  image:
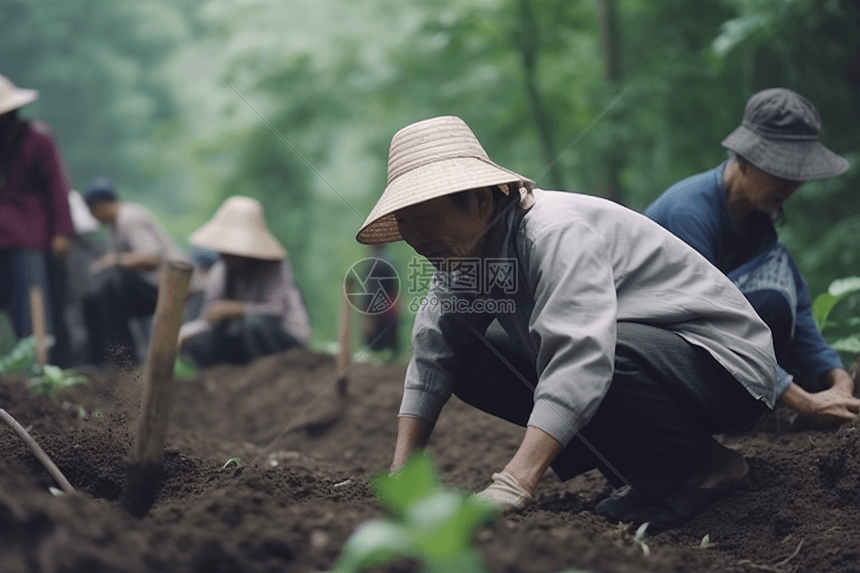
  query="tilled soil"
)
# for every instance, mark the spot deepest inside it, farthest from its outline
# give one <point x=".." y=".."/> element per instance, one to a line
<point x="307" y="491"/>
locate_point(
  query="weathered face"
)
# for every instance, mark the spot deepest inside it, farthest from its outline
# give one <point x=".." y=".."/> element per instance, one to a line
<point x="766" y="192"/>
<point x="440" y="229"/>
<point x="102" y="211"/>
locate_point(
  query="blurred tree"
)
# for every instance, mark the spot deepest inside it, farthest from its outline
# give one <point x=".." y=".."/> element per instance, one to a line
<point x="98" y="66"/>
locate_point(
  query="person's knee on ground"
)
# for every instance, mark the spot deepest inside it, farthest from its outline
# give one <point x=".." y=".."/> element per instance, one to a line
<point x="263" y="335"/>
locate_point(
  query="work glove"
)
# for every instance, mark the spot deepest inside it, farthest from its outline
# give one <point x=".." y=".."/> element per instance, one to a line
<point x="505" y="493"/>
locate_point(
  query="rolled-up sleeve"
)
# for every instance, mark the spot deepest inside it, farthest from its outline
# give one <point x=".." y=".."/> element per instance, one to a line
<point x="574" y="318"/>
<point x="440" y="341"/>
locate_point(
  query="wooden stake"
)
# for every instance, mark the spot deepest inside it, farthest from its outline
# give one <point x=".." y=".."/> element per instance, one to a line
<point x="37" y="319"/>
<point x="344" y="356"/>
<point x="147" y="457"/>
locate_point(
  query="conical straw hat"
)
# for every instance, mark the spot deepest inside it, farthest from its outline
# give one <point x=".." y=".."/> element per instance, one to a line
<point x="239" y="228"/>
<point x="429" y="159"/>
<point x="13" y="97"/>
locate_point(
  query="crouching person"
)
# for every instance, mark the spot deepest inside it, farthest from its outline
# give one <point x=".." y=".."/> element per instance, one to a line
<point x="622" y="348"/>
<point x="127" y="275"/>
<point x="252" y="306"/>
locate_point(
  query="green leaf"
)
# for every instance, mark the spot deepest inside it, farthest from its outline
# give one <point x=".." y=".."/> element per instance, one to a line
<point x="706" y="541"/>
<point x="373" y="543"/>
<point x="736" y="31"/>
<point x="417" y="479"/>
<point x="844" y="286"/>
<point x="821" y="307"/>
<point x="232" y="463"/>
<point x="850" y="345"/>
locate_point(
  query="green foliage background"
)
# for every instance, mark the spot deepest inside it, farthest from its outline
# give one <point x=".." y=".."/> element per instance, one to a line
<point x="185" y="103"/>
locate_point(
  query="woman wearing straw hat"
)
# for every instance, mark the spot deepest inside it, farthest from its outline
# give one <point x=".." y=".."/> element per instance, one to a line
<point x="35" y="222"/>
<point x="624" y="349"/>
<point x="251" y="305"/>
<point x="727" y="215"/>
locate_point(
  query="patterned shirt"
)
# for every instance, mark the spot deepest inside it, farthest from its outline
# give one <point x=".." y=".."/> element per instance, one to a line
<point x="696" y="211"/>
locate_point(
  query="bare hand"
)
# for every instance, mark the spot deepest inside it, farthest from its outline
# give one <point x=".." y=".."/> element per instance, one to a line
<point x="831" y="406"/>
<point x="106" y="261"/>
<point x="60" y="246"/>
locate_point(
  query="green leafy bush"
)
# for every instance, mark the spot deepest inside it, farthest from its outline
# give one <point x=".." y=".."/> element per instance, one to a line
<point x="843" y="334"/>
<point x="45" y="380"/>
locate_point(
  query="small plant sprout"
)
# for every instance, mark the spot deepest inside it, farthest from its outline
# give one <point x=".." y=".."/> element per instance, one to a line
<point x="428" y="523"/>
<point x="706" y="541"/>
<point x="232" y="463"/>
<point x="56" y="492"/>
<point x="45" y="380"/>
<point x="640" y="536"/>
<point x="54" y="380"/>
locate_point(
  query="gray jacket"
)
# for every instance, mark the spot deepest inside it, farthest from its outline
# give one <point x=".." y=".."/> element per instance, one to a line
<point x="583" y="264"/>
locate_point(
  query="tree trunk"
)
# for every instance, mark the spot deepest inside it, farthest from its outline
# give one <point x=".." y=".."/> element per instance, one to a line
<point x="607" y="24"/>
<point x="528" y="40"/>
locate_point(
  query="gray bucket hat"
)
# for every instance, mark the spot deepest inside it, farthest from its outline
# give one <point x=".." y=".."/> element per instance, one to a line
<point x="779" y="135"/>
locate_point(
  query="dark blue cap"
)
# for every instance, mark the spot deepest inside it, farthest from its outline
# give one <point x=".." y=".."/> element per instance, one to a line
<point x="99" y="190"/>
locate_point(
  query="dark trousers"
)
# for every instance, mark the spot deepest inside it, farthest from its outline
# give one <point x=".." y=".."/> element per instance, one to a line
<point x="21" y="269"/>
<point x="654" y="426"/>
<point x="240" y="341"/>
<point x="121" y="296"/>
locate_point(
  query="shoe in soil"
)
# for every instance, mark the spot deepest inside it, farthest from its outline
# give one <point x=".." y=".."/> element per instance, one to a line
<point x="676" y="507"/>
<point x="622" y="501"/>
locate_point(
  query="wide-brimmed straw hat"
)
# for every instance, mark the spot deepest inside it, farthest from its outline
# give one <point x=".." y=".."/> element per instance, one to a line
<point x="779" y="135"/>
<point x="239" y="228"/>
<point x="13" y="97"/>
<point x="429" y="159"/>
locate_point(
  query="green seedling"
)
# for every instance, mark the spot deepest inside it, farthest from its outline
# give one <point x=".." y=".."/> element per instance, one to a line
<point x="56" y="492"/>
<point x="45" y="380"/>
<point x="54" y="380"/>
<point x="184" y="368"/>
<point x="639" y="538"/>
<point x="232" y="463"/>
<point x="428" y="523"/>
<point x="706" y="541"/>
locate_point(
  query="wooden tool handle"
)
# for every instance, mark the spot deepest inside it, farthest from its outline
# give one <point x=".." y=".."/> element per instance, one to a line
<point x="160" y="361"/>
<point x="38" y="451"/>
<point x="37" y="319"/>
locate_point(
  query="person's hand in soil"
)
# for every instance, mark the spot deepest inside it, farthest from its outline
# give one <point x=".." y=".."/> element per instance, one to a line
<point x="832" y="406"/>
<point x="505" y="493"/>
<point x="513" y="487"/>
<point x="221" y="310"/>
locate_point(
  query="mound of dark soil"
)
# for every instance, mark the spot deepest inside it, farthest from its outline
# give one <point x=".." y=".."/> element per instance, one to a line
<point x="302" y="489"/>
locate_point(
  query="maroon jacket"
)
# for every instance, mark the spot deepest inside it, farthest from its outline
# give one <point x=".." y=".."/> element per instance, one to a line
<point x="34" y="191"/>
